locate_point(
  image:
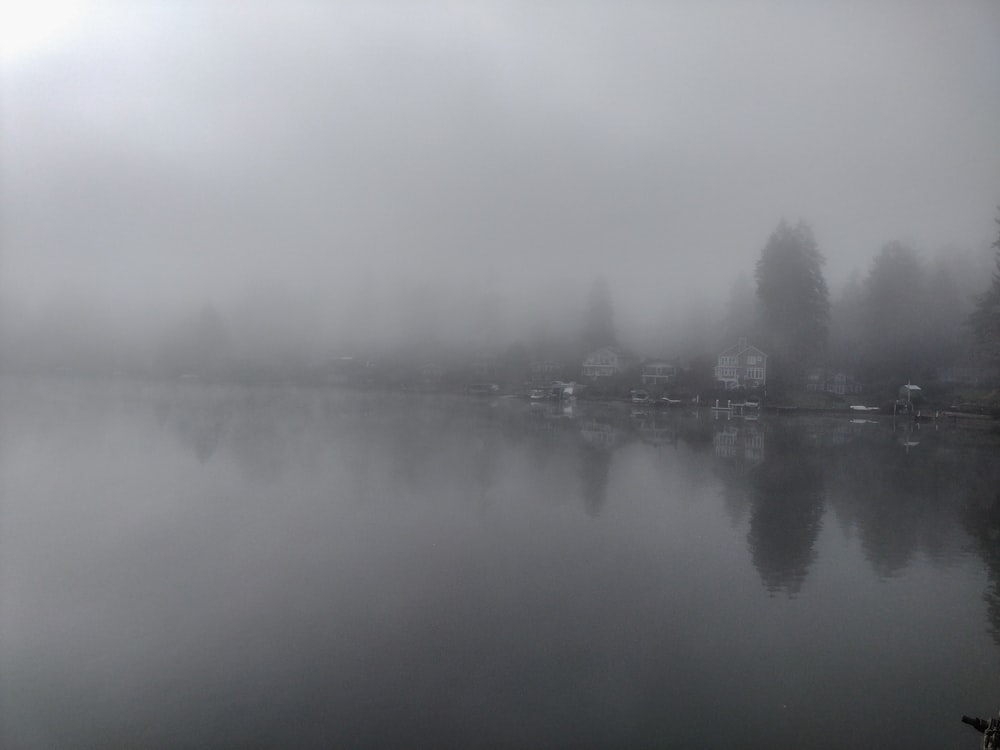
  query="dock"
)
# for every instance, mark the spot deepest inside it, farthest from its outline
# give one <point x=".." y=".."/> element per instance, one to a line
<point x="736" y="409"/>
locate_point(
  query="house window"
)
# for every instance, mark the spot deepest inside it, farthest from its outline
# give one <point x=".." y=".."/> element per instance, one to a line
<point x="755" y="373"/>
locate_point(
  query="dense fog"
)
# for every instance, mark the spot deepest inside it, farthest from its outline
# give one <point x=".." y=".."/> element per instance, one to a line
<point x="217" y="189"/>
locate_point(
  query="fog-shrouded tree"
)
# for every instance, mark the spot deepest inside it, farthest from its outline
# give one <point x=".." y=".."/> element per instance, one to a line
<point x="488" y="330"/>
<point x="894" y="311"/>
<point x="984" y="321"/>
<point x="599" y="323"/>
<point x="211" y="335"/>
<point x="794" y="299"/>
<point x="845" y="324"/>
<point x="948" y="310"/>
<point x="741" y="310"/>
<point x="199" y="345"/>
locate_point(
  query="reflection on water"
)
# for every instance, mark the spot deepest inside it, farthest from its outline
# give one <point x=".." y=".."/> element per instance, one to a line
<point x="982" y="519"/>
<point x="787" y="491"/>
<point x="200" y="566"/>
<point x="742" y="443"/>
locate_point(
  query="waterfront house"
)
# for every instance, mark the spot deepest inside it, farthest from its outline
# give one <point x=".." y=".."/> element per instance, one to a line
<point x="543" y="370"/>
<point x="741" y="366"/>
<point x="822" y="380"/>
<point x="605" y="362"/>
<point x="486" y="368"/>
<point x="658" y="372"/>
<point x="431" y="373"/>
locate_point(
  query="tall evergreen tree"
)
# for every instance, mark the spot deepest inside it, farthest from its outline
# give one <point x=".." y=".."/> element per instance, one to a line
<point x="599" y="325"/>
<point x="985" y="319"/>
<point x="794" y="299"/>
<point x="894" y="316"/>
<point x="741" y="310"/>
<point x="846" y="326"/>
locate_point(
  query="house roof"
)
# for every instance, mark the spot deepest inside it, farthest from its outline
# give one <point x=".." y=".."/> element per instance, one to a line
<point x="616" y="350"/>
<point x="608" y="348"/>
<point x="739" y="348"/>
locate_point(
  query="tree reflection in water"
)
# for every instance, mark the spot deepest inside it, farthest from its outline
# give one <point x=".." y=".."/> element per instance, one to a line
<point x="355" y="554"/>
<point x="787" y="494"/>
<point x="595" y="469"/>
<point x="982" y="519"/>
<point x="600" y="437"/>
<point x="906" y="491"/>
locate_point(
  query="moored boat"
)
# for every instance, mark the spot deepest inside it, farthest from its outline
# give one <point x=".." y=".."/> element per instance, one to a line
<point x="556" y="390"/>
<point x="483" y="389"/>
<point x="667" y="401"/>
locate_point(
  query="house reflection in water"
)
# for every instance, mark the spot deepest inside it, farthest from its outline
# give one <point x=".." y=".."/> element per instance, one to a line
<point x="656" y="429"/>
<point x="599" y="433"/>
<point x="600" y="437"/>
<point x="742" y="442"/>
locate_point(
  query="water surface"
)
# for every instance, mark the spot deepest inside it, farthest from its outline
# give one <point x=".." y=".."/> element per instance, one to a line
<point x="208" y="566"/>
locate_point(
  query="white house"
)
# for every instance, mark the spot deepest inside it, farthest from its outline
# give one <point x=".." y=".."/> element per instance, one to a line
<point x="605" y="362"/>
<point x="431" y="372"/>
<point x="658" y="372"/>
<point x="742" y="366"/>
<point x="831" y="381"/>
<point x="546" y="369"/>
<point x="485" y="368"/>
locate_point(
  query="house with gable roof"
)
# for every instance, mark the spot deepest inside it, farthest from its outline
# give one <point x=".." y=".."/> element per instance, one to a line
<point x="658" y="372"/>
<point x="741" y="366"/>
<point x="607" y="361"/>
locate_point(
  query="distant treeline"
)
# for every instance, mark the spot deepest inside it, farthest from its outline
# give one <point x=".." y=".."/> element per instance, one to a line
<point x="905" y="317"/>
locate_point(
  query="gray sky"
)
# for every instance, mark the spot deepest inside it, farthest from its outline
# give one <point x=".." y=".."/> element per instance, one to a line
<point x="176" y="152"/>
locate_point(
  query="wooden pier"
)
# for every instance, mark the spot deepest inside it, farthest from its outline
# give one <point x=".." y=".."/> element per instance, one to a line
<point x="736" y="409"/>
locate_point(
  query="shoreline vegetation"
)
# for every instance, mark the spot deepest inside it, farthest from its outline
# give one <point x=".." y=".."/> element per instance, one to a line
<point x="913" y="336"/>
<point x="972" y="407"/>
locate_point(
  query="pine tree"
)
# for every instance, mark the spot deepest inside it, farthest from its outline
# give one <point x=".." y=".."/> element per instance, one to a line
<point x="793" y="295"/>
<point x="599" y="327"/>
<point x="985" y="319"/>
<point x="894" y="312"/>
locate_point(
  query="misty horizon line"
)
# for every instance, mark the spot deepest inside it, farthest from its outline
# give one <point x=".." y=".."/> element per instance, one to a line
<point x="389" y="316"/>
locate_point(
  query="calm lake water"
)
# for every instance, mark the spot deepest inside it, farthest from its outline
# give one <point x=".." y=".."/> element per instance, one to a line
<point x="205" y="566"/>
